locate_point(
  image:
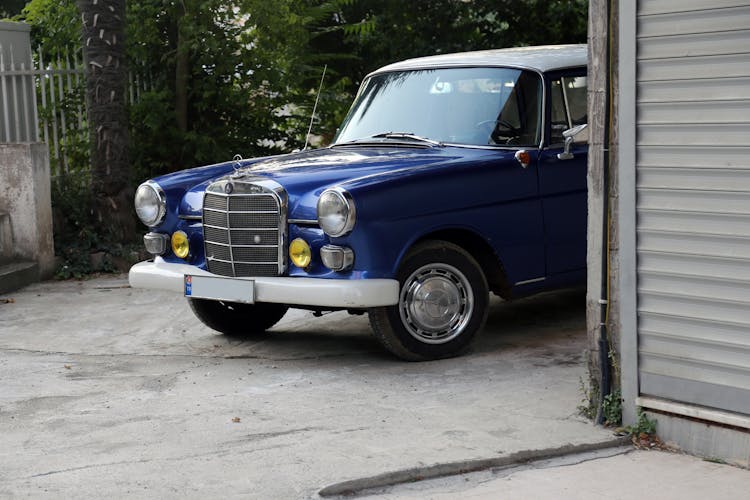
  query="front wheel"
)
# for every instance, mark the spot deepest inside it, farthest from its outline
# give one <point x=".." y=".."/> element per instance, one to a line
<point x="442" y="304"/>
<point x="240" y="320"/>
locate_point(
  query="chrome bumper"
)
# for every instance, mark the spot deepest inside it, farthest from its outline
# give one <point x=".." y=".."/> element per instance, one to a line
<point x="316" y="292"/>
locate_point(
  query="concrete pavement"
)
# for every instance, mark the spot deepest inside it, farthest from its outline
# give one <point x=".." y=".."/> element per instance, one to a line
<point x="611" y="474"/>
<point x="110" y="391"/>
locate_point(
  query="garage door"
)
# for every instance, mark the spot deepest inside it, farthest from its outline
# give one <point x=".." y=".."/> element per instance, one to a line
<point x="693" y="201"/>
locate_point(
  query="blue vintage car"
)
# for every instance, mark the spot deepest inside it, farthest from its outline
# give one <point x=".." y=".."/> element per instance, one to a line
<point x="451" y="177"/>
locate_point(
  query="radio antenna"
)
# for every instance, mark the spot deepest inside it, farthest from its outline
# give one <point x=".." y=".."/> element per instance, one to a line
<point x="315" y="107"/>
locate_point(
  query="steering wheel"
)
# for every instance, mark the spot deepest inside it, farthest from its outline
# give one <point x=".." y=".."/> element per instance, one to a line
<point x="495" y="132"/>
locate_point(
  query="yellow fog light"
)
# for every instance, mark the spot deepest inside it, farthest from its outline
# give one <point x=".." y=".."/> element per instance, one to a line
<point x="180" y="244"/>
<point x="299" y="252"/>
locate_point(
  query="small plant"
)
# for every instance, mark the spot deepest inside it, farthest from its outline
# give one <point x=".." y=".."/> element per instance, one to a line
<point x="643" y="433"/>
<point x="643" y="426"/>
<point x="587" y="408"/>
<point x="612" y="408"/>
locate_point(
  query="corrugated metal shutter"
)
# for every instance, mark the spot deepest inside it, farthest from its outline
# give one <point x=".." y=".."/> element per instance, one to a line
<point x="693" y="201"/>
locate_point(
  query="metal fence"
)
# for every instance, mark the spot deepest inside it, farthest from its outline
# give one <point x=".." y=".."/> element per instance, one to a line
<point x="45" y="100"/>
<point x="62" y="109"/>
<point x="18" y="120"/>
<point x="42" y="100"/>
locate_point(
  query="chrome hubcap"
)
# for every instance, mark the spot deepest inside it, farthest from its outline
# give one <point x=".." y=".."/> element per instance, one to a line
<point x="436" y="303"/>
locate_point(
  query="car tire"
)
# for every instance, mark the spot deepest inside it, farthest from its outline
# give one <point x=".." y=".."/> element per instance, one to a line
<point x="442" y="305"/>
<point x="235" y="319"/>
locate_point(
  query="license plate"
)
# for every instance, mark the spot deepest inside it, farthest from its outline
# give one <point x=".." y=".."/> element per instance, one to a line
<point x="216" y="288"/>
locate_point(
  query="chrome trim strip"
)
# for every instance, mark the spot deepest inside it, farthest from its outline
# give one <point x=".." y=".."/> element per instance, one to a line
<point x="241" y="211"/>
<point x="190" y="217"/>
<point x="229" y="238"/>
<point x="240" y="246"/>
<point x="303" y="222"/>
<point x="214" y="259"/>
<point x="527" y="282"/>
<point x="242" y="228"/>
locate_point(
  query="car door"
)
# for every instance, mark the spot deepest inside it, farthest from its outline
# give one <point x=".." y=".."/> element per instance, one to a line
<point x="562" y="177"/>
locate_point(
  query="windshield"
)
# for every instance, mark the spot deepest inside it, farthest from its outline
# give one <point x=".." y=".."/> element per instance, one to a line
<point x="475" y="106"/>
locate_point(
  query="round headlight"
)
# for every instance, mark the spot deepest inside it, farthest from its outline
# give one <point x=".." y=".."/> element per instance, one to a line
<point x="150" y="203"/>
<point x="336" y="213"/>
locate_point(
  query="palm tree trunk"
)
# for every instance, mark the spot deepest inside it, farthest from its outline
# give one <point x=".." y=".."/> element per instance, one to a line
<point x="182" y="70"/>
<point x="103" y="34"/>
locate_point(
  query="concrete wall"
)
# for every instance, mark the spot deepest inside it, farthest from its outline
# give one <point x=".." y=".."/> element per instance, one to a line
<point x="15" y="41"/>
<point x="25" y="196"/>
<point x="603" y="194"/>
<point x="703" y="438"/>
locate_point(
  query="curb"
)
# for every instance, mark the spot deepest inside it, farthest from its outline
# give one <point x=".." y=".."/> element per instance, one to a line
<point x="354" y="486"/>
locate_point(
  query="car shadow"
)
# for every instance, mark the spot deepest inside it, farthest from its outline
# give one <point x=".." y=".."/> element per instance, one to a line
<point x="551" y="325"/>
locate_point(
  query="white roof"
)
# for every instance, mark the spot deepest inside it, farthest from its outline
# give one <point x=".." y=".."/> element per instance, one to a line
<point x="540" y="58"/>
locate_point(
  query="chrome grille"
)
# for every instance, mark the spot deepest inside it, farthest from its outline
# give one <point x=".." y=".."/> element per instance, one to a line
<point x="253" y="220"/>
<point x="220" y="252"/>
<point x="253" y="204"/>
<point x="212" y="217"/>
<point x="244" y="231"/>
<point x="215" y="202"/>
<point x="256" y="269"/>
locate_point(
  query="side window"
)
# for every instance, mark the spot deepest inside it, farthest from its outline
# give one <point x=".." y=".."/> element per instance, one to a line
<point x="518" y="121"/>
<point x="558" y="115"/>
<point x="575" y="93"/>
<point x="567" y="105"/>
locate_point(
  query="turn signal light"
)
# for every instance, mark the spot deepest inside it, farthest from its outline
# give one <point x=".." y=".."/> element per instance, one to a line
<point x="523" y="157"/>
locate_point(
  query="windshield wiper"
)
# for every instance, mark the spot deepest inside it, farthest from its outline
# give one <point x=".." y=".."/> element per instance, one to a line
<point x="389" y="135"/>
<point x="405" y="135"/>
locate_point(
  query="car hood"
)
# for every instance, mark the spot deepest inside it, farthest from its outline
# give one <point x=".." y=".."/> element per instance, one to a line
<point x="306" y="174"/>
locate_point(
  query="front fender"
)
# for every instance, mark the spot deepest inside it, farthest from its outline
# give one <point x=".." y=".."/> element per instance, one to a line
<point x="492" y="197"/>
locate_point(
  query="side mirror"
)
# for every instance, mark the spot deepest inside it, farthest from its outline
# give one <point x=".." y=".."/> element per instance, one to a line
<point x="576" y="135"/>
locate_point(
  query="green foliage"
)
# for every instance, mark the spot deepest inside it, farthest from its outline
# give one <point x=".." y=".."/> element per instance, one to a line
<point x="440" y="26"/>
<point x="55" y="30"/>
<point x="612" y="408"/>
<point x="643" y="426"/>
<point x="10" y="8"/>
<point x="250" y="71"/>
<point x="246" y="78"/>
<point x="54" y="26"/>
<point x="587" y="408"/>
<point x="74" y="150"/>
<point x="75" y="232"/>
<point x="611" y="405"/>
<point x="367" y="34"/>
<point x="253" y="66"/>
<point x="80" y="243"/>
